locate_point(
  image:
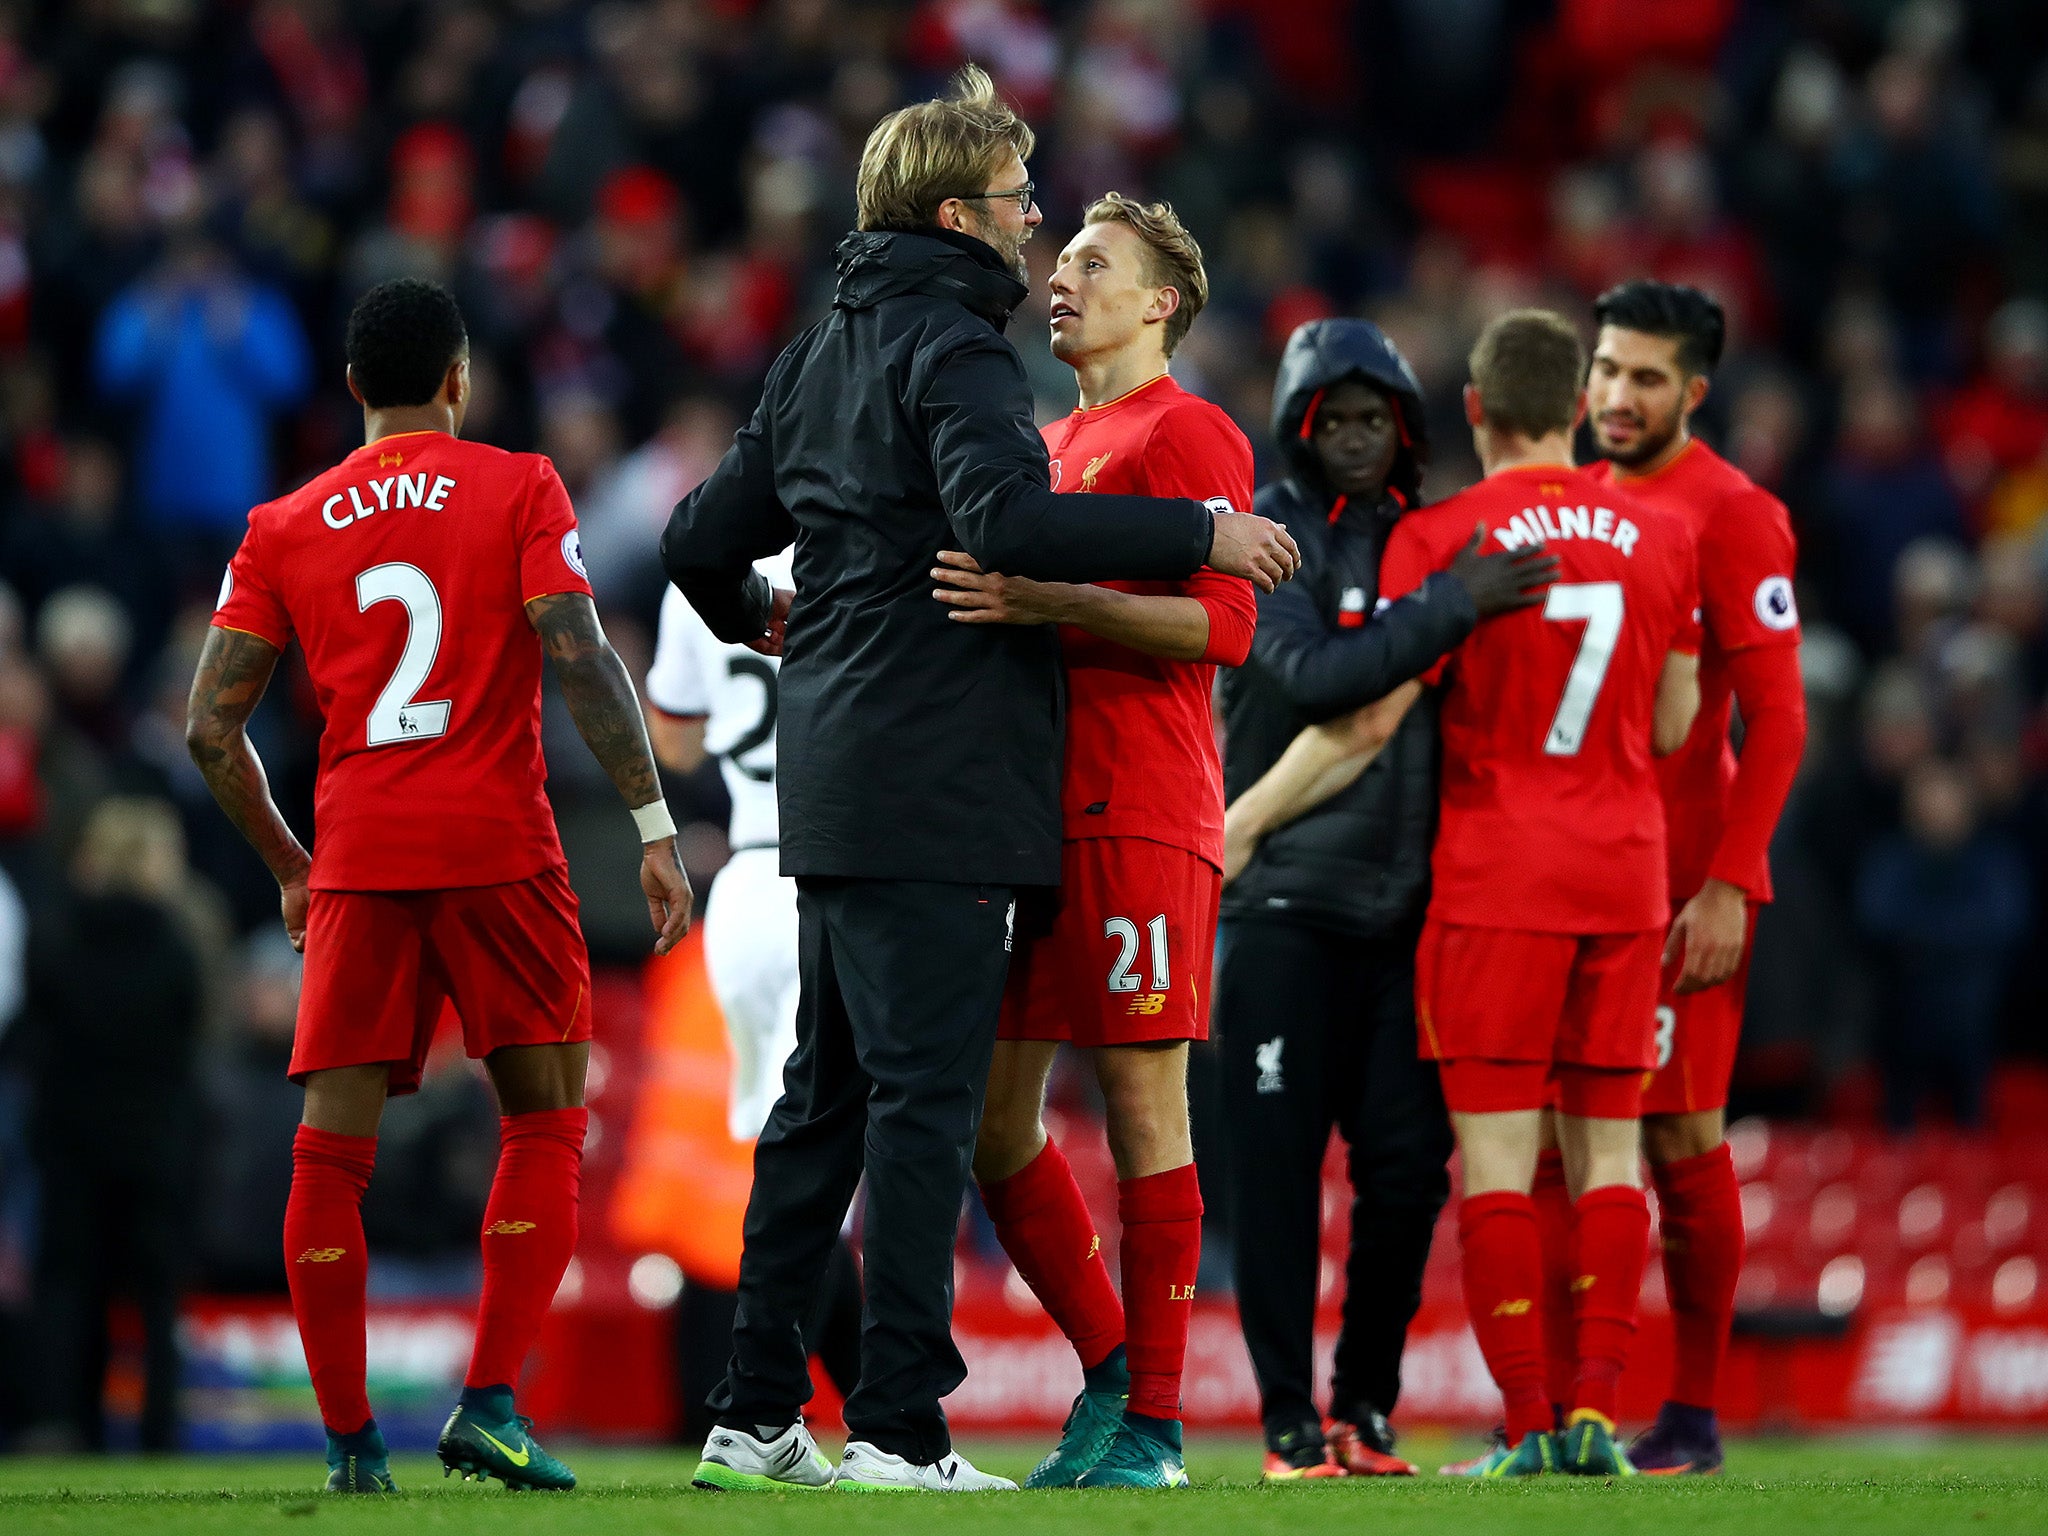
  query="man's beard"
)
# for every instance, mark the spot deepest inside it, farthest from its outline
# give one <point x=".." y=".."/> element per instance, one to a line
<point x="1648" y="445"/>
<point x="1009" y="247"/>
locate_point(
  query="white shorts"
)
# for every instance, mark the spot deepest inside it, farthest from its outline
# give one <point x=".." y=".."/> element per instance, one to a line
<point x="750" y="955"/>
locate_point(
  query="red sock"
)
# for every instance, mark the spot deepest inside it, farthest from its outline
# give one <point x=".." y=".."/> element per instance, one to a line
<point x="1045" y="1228"/>
<point x="1162" y="1248"/>
<point x="328" y="1268"/>
<point x="1503" y="1297"/>
<point x="1610" y="1240"/>
<point x="1700" y="1202"/>
<point x="1553" y="1203"/>
<point x="529" y="1237"/>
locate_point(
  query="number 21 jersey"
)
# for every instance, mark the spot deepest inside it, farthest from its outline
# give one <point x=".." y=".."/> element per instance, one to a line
<point x="404" y="573"/>
<point x="1551" y="817"/>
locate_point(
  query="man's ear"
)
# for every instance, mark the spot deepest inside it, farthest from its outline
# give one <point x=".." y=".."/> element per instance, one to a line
<point x="455" y="387"/>
<point x="353" y="389"/>
<point x="1578" y="410"/>
<point x="1693" y="395"/>
<point x="1475" y="410"/>
<point x="1164" y="307"/>
<point x="953" y="216"/>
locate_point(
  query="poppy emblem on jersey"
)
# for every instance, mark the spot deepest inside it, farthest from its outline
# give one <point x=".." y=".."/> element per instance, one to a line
<point x="227" y="589"/>
<point x="1775" y="608"/>
<point x="572" y="553"/>
<point x="1094" y="468"/>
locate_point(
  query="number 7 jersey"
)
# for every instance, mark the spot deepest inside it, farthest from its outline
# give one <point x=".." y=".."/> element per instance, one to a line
<point x="404" y="574"/>
<point x="1551" y="816"/>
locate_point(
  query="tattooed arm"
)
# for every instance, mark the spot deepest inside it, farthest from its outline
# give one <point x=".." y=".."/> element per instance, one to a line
<point x="606" y="709"/>
<point x="234" y="669"/>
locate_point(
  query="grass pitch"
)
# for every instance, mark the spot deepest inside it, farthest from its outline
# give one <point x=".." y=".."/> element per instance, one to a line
<point x="1835" y="1485"/>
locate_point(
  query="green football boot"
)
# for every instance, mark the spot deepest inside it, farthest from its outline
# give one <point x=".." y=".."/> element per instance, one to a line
<point x="358" y="1463"/>
<point x="1587" y="1447"/>
<point x="1536" y="1455"/>
<point x="483" y="1447"/>
<point x="1091" y="1425"/>
<point x="1138" y="1459"/>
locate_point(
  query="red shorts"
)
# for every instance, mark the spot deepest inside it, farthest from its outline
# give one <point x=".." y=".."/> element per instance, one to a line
<point x="1121" y="955"/>
<point x="382" y="965"/>
<point x="1475" y="1086"/>
<point x="1510" y="995"/>
<point x="1696" y="1038"/>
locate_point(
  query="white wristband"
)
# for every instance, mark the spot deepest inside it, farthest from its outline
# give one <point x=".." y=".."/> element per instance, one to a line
<point x="654" y="822"/>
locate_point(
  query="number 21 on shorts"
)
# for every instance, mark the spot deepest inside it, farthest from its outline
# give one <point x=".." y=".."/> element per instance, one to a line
<point x="1122" y="978"/>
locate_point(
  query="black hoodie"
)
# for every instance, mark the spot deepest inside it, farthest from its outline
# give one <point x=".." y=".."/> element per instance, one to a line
<point x="1359" y="862"/>
<point x="911" y="747"/>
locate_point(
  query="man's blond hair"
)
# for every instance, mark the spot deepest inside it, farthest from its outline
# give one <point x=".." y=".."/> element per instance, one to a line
<point x="1528" y="367"/>
<point x="1173" y="259"/>
<point x="918" y="156"/>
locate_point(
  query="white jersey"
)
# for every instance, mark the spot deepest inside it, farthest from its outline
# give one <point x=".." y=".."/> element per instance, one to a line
<point x="734" y="690"/>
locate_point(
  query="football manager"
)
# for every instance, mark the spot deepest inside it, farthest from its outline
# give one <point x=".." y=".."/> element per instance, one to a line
<point x="919" y="759"/>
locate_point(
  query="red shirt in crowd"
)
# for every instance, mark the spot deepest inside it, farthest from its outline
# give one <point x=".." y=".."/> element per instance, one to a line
<point x="404" y="572"/>
<point x="1551" y="818"/>
<point x="1141" y="741"/>
<point x="1746" y="555"/>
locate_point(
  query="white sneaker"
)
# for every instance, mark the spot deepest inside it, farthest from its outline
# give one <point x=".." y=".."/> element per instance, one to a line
<point x="735" y="1462"/>
<point x="863" y="1469"/>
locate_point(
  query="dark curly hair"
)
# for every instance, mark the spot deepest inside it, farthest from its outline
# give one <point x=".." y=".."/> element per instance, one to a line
<point x="402" y="338"/>
<point x="1670" y="310"/>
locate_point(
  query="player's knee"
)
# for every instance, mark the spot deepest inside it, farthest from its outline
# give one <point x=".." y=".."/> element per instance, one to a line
<point x="1010" y="1136"/>
<point x="1674" y="1138"/>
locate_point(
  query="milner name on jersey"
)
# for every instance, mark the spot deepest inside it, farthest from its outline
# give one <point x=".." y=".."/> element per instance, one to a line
<point x="1541" y="525"/>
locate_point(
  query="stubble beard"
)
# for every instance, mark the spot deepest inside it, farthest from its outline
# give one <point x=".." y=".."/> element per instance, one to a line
<point x="1647" y="447"/>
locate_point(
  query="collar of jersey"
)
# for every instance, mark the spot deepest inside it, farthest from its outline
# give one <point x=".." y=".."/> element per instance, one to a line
<point x="1123" y="399"/>
<point x="392" y="437"/>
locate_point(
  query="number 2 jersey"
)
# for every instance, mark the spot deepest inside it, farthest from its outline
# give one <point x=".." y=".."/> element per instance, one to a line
<point x="733" y="690"/>
<point x="1551" y="817"/>
<point x="404" y="573"/>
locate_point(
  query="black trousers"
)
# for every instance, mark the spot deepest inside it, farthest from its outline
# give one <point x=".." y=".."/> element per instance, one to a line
<point x="1318" y="1031"/>
<point x="902" y="983"/>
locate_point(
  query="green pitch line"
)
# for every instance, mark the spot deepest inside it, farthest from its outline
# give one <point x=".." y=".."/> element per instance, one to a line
<point x="1827" y="1487"/>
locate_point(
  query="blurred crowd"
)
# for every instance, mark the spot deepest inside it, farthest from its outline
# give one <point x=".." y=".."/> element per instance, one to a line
<point x="636" y="202"/>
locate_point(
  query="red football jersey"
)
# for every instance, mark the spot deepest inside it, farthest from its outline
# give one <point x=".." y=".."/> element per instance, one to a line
<point x="1551" y="818"/>
<point x="404" y="572"/>
<point x="1141" y="742"/>
<point x="1746" y="559"/>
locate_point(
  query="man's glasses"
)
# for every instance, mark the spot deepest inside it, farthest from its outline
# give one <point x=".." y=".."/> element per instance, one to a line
<point x="1023" y="195"/>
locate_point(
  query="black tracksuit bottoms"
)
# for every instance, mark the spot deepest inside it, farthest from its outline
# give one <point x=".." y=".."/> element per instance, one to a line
<point x="902" y="983"/>
<point x="1317" y="1029"/>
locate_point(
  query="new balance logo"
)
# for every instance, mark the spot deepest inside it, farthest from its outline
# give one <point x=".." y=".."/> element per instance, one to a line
<point x="1519" y="1307"/>
<point x="1584" y="1283"/>
<point x="1145" y="1004"/>
<point x="1268" y="1057"/>
<point x="321" y="1256"/>
<point x="1094" y="1245"/>
<point x="508" y="1228"/>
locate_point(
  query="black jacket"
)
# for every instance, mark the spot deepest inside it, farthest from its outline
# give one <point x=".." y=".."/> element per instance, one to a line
<point x="1359" y="862"/>
<point x="911" y="747"/>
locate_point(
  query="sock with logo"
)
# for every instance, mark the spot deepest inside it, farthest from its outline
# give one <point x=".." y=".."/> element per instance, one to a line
<point x="1699" y="1203"/>
<point x="1161" y="1250"/>
<point x="1503" y="1265"/>
<point x="1610" y="1240"/>
<point x="1553" y="1204"/>
<point x="528" y="1239"/>
<point x="1043" y="1222"/>
<point x="328" y="1268"/>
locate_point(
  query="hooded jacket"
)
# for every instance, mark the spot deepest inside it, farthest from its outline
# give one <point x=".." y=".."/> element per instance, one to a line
<point x="1359" y="862"/>
<point x="911" y="747"/>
